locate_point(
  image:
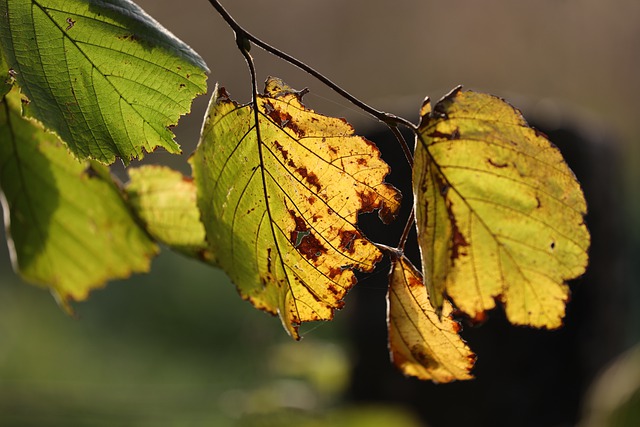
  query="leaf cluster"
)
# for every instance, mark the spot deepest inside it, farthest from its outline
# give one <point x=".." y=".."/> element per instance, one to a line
<point x="277" y="188"/>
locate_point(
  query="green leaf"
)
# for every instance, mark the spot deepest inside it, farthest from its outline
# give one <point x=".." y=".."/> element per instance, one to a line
<point x="280" y="198"/>
<point x="165" y="201"/>
<point x="499" y="213"/>
<point x="103" y="74"/>
<point x="69" y="228"/>
<point x="5" y="76"/>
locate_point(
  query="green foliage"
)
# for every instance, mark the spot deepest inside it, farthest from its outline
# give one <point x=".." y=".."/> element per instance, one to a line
<point x="70" y="228"/>
<point x="102" y="74"/>
<point x="277" y="188"/>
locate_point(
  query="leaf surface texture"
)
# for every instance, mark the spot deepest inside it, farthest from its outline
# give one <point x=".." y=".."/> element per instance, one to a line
<point x="280" y="197"/>
<point x="165" y="202"/>
<point x="69" y="227"/>
<point x="499" y="213"/>
<point x="103" y="74"/>
<point x="422" y="343"/>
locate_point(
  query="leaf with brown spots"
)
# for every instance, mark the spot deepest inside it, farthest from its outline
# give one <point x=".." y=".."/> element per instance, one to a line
<point x="280" y="200"/>
<point x="499" y="213"/>
<point x="423" y="344"/>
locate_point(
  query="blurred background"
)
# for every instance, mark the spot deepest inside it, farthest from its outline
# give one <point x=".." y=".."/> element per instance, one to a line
<point x="178" y="347"/>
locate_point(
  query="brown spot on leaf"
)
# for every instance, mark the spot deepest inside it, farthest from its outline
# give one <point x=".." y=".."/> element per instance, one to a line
<point x="442" y="135"/>
<point x="304" y="240"/>
<point x="280" y="148"/>
<point x="310" y="177"/>
<point x="457" y="239"/>
<point x="269" y="260"/>
<point x="334" y="272"/>
<point x="333" y="289"/>
<point x="282" y="118"/>
<point x="368" y="201"/>
<point x="347" y="237"/>
<point x="424" y="357"/>
<point x="497" y="164"/>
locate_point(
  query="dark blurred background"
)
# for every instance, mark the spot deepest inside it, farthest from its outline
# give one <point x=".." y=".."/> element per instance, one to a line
<point x="178" y="347"/>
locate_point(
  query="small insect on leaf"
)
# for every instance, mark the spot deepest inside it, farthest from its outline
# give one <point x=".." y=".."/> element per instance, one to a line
<point x="280" y="200"/>
<point x="498" y="211"/>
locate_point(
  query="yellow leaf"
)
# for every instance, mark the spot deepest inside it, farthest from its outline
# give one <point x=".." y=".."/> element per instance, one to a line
<point x="498" y="211"/>
<point x="423" y="344"/>
<point x="280" y="198"/>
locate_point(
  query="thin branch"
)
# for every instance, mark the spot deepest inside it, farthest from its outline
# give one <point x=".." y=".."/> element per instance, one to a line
<point x="241" y="33"/>
<point x="407" y="229"/>
<point x="403" y="143"/>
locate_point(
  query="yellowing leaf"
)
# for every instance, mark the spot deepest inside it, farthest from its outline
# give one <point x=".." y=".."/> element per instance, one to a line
<point x="69" y="227"/>
<point x="280" y="199"/>
<point x="422" y="343"/>
<point x="165" y="201"/>
<point x="498" y="211"/>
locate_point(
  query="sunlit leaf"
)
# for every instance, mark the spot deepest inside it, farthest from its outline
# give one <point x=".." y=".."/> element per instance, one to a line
<point x="165" y="201"/>
<point x="103" y="74"/>
<point x="280" y="200"/>
<point x="499" y="213"/>
<point x="69" y="227"/>
<point x="422" y="343"/>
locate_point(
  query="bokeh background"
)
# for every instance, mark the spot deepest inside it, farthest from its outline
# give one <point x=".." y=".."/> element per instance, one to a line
<point x="178" y="347"/>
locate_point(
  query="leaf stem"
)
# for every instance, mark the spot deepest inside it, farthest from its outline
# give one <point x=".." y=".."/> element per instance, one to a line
<point x="407" y="229"/>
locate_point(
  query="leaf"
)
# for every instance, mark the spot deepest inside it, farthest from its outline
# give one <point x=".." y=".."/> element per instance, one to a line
<point x="165" y="201"/>
<point x="280" y="198"/>
<point x="103" y="74"/>
<point x="69" y="228"/>
<point x="498" y="211"/>
<point x="422" y="343"/>
<point x="5" y="76"/>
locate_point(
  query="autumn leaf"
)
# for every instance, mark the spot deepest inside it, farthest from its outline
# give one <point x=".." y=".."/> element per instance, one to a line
<point x="422" y="343"/>
<point x="499" y="213"/>
<point x="280" y="198"/>
<point x="69" y="228"/>
<point x="165" y="202"/>
<point x="104" y="75"/>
